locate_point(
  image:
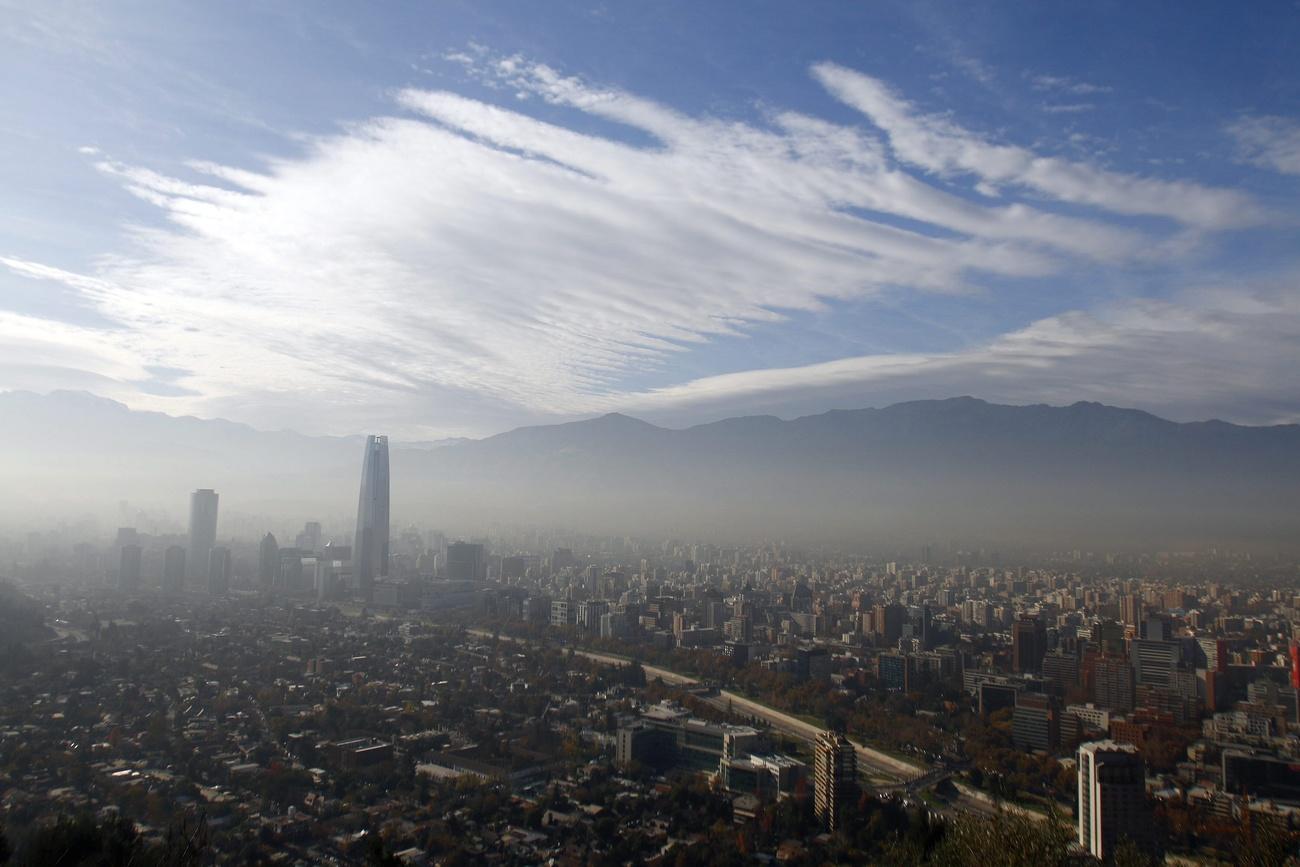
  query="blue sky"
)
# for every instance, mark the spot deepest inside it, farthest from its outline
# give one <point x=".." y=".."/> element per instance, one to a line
<point x="454" y="218"/>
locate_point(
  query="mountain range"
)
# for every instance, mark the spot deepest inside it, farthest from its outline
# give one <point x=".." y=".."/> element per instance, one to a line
<point x="1078" y="475"/>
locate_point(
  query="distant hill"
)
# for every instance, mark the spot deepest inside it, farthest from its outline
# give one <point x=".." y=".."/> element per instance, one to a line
<point x="1085" y="474"/>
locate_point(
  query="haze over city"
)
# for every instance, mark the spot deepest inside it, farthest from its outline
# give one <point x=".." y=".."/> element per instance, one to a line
<point x="597" y="433"/>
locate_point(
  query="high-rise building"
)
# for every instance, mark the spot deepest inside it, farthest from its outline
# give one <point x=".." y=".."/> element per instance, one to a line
<point x="268" y="561"/>
<point x="370" y="549"/>
<point x="466" y="561"/>
<point x="1154" y="661"/>
<point x="590" y="613"/>
<point x="309" y="538"/>
<point x="173" y="574"/>
<point x="203" y="534"/>
<point x="1112" y="798"/>
<point x="128" y="572"/>
<point x="1028" y="645"/>
<point x="1036" y="723"/>
<point x="888" y="623"/>
<point x="1112" y="681"/>
<point x="219" y="571"/>
<point x="291" y="577"/>
<point x="835" y="777"/>
<point x="1130" y="609"/>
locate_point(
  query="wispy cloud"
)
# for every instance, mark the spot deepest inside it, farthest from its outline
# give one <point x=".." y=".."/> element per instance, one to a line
<point x="1268" y="142"/>
<point x="1068" y="107"/>
<point x="1225" y="351"/>
<point x="1064" y="84"/>
<point x="464" y="257"/>
<point x="937" y="144"/>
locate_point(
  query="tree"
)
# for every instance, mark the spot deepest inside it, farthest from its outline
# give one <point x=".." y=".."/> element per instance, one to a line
<point x="1005" y="840"/>
<point x="377" y="854"/>
<point x="1129" y="854"/>
<point x="1266" y="845"/>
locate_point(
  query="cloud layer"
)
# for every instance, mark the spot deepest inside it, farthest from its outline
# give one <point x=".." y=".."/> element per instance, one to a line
<point x="1226" y="353"/>
<point x="1268" y="142"/>
<point x="459" y="264"/>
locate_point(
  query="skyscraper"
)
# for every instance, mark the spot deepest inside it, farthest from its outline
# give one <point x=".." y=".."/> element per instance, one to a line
<point x="835" y="777"/>
<point x="128" y="573"/>
<point x="173" y="576"/>
<point x="466" y="562"/>
<point x="370" y="551"/>
<point x="1028" y="645"/>
<point x="203" y="535"/>
<point x="309" y="538"/>
<point x="1112" y="798"/>
<point x="219" y="571"/>
<point x="268" y="561"/>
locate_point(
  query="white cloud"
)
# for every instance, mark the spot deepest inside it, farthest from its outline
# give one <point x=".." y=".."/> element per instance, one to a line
<point x="1065" y="84"/>
<point x="1220" y="352"/>
<point x="937" y="144"/>
<point x="41" y="354"/>
<point x="1268" y="142"/>
<point x="1068" y="107"/>
<point x="469" y="259"/>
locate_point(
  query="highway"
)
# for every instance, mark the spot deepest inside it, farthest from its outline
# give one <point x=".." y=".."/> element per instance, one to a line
<point x="910" y="778"/>
<point x="871" y="760"/>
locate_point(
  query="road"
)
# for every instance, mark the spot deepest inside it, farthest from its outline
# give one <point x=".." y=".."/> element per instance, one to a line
<point x="910" y="778"/>
<point x="872" y="760"/>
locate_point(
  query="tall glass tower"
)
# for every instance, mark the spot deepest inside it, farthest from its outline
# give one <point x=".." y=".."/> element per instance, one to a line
<point x="370" y="550"/>
<point x="203" y="536"/>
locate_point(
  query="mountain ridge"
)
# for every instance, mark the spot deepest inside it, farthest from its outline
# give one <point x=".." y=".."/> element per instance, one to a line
<point x="92" y="399"/>
<point x="954" y="467"/>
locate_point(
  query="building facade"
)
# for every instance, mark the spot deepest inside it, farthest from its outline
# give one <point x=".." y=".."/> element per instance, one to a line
<point x="370" y="546"/>
<point x="835" y="777"/>
<point x="1112" y="798"/>
<point x="203" y="535"/>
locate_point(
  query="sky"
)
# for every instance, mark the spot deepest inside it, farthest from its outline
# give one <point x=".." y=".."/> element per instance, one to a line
<point x="454" y="218"/>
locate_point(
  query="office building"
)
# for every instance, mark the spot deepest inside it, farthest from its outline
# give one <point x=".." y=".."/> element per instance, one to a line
<point x="1036" y="724"/>
<point x="1028" y="645"/>
<point x="563" y="614"/>
<point x="835" y="777"/>
<point x="1112" y="802"/>
<point x="466" y="561"/>
<point x="813" y="663"/>
<point x="370" y="547"/>
<point x="268" y="562"/>
<point x="590" y="613"/>
<point x="1061" y="671"/>
<point x="203" y="535"/>
<point x="173" y="574"/>
<point x="1112" y="682"/>
<point x="128" y="571"/>
<point x="1154" y="661"/>
<point x="667" y="736"/>
<point x="309" y="538"/>
<point x="1260" y="775"/>
<point x="219" y="571"/>
<point x="887" y="623"/>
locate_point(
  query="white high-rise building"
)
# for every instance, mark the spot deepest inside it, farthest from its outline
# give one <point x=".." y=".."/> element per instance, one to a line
<point x="1112" y="797"/>
<point x="370" y="546"/>
<point x="203" y="536"/>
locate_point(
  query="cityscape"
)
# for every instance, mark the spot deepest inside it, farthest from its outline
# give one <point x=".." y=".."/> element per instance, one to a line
<point x="413" y="698"/>
<point x="604" y="434"/>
